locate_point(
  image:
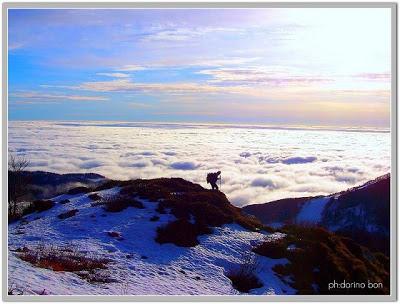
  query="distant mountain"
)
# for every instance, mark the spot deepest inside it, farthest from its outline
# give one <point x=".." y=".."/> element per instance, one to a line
<point x="362" y="212"/>
<point x="42" y="184"/>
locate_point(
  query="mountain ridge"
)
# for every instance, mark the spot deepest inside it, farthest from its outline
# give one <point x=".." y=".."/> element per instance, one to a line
<point x="361" y="212"/>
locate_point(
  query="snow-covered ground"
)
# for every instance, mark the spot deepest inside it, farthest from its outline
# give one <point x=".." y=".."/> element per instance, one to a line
<point x="312" y="210"/>
<point x="139" y="265"/>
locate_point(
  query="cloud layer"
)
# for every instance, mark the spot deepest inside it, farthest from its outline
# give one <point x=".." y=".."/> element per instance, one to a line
<point x="258" y="164"/>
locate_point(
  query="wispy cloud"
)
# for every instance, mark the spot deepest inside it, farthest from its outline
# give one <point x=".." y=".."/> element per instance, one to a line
<point x="374" y="76"/>
<point x="46" y="97"/>
<point x="177" y="34"/>
<point x="124" y="85"/>
<point x="263" y="75"/>
<point x="131" y="68"/>
<point x="140" y="105"/>
<point x="15" y="45"/>
<point x="116" y="75"/>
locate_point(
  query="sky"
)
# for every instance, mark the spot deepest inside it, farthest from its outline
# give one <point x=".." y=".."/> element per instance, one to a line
<point x="292" y="66"/>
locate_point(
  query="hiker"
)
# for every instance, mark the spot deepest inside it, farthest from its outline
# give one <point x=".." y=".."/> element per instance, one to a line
<point x="212" y="179"/>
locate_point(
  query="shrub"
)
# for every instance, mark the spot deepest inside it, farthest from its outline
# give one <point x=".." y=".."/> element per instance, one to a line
<point x="79" y="190"/>
<point x="96" y="276"/>
<point x="186" y="201"/>
<point x="41" y="205"/>
<point x="243" y="277"/>
<point x="94" y="197"/>
<point x="183" y="199"/>
<point x="269" y="229"/>
<point x="275" y="249"/>
<point x="62" y="259"/>
<point x="68" y="214"/>
<point x="118" y="203"/>
<point x="154" y="218"/>
<point x="181" y="233"/>
<point x="114" y="234"/>
<point x="321" y="257"/>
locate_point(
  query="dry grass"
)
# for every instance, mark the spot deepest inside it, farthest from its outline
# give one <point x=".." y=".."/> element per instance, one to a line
<point x="154" y="218"/>
<point x="114" y="234"/>
<point x="61" y="258"/>
<point x="41" y="205"/>
<point x="243" y="277"/>
<point x="79" y="190"/>
<point x="94" y="197"/>
<point x="320" y="257"/>
<point x="275" y="249"/>
<point x="117" y="203"/>
<point x="68" y="214"/>
<point x="181" y="233"/>
<point x="197" y="209"/>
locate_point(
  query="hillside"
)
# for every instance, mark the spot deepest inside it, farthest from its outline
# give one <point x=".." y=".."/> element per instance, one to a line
<point x="163" y="236"/>
<point x="362" y="212"/>
<point x="41" y="184"/>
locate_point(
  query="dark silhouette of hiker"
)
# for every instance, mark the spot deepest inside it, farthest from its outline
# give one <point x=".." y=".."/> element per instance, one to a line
<point x="212" y="179"/>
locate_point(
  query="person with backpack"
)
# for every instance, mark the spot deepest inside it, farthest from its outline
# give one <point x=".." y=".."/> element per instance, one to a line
<point x="212" y="179"/>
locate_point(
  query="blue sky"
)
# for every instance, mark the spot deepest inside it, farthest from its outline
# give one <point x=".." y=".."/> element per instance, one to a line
<point x="272" y="66"/>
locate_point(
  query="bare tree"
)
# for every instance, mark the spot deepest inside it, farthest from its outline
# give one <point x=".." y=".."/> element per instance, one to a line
<point x="17" y="187"/>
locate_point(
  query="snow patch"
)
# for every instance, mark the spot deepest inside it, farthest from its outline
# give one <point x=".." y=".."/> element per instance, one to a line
<point x="311" y="212"/>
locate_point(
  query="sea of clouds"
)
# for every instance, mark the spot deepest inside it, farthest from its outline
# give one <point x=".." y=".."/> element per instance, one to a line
<point x="258" y="164"/>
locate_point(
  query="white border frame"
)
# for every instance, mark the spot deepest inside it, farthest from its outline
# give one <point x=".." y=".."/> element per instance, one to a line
<point x="216" y="5"/>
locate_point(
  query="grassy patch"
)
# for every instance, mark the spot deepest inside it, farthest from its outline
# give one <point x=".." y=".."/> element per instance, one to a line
<point x="67" y="214"/>
<point x="154" y="218"/>
<point x="117" y="203"/>
<point x="79" y="190"/>
<point x="243" y="276"/>
<point x="275" y="249"/>
<point x="319" y="257"/>
<point x="114" y="234"/>
<point x="181" y="233"/>
<point x="94" y="197"/>
<point x="40" y="205"/>
<point x="196" y="209"/>
<point x="61" y="258"/>
<point x="66" y="258"/>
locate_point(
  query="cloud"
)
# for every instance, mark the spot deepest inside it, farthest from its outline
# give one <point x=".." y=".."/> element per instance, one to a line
<point x="125" y="85"/>
<point x="139" y="164"/>
<point x="179" y="34"/>
<point x="140" y="105"/>
<point x="374" y="76"/>
<point x="184" y="165"/>
<point x="151" y="150"/>
<point x="48" y="97"/>
<point x="116" y="75"/>
<point x="267" y="183"/>
<point x="276" y="76"/>
<point x="91" y="164"/>
<point x="131" y="68"/>
<point x="299" y="160"/>
<point x="181" y="63"/>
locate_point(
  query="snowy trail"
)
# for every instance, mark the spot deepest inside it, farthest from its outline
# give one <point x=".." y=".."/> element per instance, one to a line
<point x="139" y="265"/>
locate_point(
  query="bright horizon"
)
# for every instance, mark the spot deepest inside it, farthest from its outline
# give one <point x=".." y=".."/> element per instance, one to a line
<point x="215" y="124"/>
<point x="281" y="67"/>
